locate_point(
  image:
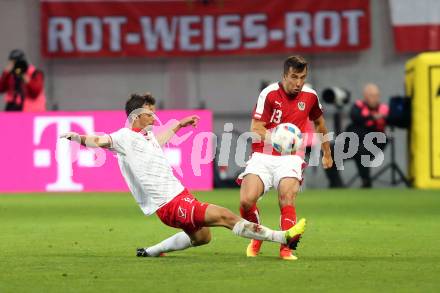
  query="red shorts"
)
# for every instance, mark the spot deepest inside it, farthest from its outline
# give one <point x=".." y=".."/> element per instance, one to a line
<point x="184" y="212"/>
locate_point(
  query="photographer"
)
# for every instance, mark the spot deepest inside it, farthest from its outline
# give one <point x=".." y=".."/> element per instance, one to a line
<point x="367" y="115"/>
<point x="22" y="84"/>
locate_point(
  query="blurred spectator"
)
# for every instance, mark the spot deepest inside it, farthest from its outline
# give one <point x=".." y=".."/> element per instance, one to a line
<point x="22" y="84"/>
<point x="367" y="115"/>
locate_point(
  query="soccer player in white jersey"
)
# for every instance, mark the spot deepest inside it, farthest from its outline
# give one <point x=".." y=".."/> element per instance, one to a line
<point x="155" y="188"/>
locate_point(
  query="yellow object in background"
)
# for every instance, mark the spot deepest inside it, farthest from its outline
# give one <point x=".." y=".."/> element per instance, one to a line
<point x="422" y="84"/>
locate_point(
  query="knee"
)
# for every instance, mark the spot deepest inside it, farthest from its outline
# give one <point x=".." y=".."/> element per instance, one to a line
<point x="249" y="196"/>
<point x="202" y="241"/>
<point x="287" y="198"/>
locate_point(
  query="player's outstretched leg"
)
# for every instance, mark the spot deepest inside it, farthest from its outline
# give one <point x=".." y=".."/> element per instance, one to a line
<point x="219" y="216"/>
<point x="251" y="189"/>
<point x="178" y="241"/>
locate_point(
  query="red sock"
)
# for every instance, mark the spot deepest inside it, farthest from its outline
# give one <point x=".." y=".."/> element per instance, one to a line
<point x="288" y="217"/>
<point x="252" y="215"/>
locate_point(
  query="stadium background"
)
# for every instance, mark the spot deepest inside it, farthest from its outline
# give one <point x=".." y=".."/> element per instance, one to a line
<point x="216" y="82"/>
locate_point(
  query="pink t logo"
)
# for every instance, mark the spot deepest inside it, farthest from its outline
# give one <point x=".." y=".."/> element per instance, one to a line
<point x="42" y="158"/>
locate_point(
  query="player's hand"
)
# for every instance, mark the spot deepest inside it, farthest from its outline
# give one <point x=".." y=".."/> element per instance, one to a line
<point x="26" y="78"/>
<point x="327" y="161"/>
<point x="71" y="136"/>
<point x="9" y="66"/>
<point x="191" y="120"/>
<point x="378" y="116"/>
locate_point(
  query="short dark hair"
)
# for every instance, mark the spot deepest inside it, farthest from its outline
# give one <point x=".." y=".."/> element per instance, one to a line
<point x="137" y="101"/>
<point x="296" y="62"/>
<point x="16" y="55"/>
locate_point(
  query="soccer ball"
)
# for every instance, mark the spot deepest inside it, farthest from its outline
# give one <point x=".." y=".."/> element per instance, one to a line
<point x="286" y="138"/>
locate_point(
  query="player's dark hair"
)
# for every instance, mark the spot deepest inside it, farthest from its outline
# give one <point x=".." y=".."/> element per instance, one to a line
<point x="297" y="63"/>
<point x="137" y="101"/>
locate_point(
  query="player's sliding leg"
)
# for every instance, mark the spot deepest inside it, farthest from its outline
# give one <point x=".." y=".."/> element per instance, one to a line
<point x="219" y="216"/>
<point x="178" y="241"/>
<point x="251" y="189"/>
<point x="287" y="190"/>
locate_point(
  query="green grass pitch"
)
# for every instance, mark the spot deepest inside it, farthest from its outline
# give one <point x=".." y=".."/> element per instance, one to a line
<point x="385" y="240"/>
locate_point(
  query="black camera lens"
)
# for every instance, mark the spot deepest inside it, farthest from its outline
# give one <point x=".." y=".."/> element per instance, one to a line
<point x="20" y="67"/>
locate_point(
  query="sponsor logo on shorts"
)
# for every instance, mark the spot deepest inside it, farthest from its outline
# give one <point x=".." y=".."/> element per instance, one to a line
<point x="181" y="212"/>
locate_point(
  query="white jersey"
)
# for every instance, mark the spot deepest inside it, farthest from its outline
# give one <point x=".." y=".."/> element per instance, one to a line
<point x="145" y="168"/>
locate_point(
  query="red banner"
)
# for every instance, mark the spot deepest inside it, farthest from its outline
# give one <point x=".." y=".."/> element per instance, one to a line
<point x="416" y="25"/>
<point x="202" y="28"/>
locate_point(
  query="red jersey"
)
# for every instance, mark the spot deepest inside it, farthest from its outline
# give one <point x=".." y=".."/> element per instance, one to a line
<point x="274" y="106"/>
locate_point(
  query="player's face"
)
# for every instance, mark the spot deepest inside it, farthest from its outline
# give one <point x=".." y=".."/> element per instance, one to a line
<point x="293" y="81"/>
<point x="147" y="117"/>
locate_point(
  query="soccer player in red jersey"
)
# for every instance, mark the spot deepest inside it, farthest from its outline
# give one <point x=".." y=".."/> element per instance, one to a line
<point x="288" y="101"/>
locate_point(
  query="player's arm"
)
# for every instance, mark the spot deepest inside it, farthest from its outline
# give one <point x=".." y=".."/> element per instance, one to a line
<point x="320" y="127"/>
<point x="94" y="141"/>
<point x="259" y="127"/>
<point x="4" y="78"/>
<point x="261" y="116"/>
<point x="165" y="136"/>
<point x="34" y="84"/>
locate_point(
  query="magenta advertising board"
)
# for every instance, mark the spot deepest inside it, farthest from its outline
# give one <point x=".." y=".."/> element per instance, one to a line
<point x="33" y="159"/>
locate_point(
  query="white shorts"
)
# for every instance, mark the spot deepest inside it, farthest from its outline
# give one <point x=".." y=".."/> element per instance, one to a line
<point x="271" y="169"/>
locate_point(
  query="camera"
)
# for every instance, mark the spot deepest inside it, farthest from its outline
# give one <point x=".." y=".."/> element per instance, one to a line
<point x="20" y="67"/>
<point x="336" y="95"/>
<point x="20" y="63"/>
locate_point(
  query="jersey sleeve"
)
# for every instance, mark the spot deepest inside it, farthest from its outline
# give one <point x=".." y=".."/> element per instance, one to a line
<point x="316" y="110"/>
<point x="263" y="109"/>
<point x="117" y="141"/>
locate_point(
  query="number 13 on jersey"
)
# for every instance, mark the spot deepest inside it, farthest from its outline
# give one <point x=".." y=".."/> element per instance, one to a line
<point x="276" y="116"/>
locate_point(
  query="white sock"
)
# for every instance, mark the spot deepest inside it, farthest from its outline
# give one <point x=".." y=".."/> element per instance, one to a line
<point x="178" y="241"/>
<point x="247" y="229"/>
